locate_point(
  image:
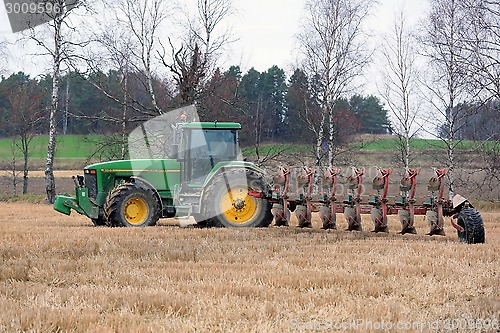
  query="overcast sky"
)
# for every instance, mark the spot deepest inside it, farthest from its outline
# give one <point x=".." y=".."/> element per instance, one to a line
<point x="264" y="30"/>
<point x="267" y="28"/>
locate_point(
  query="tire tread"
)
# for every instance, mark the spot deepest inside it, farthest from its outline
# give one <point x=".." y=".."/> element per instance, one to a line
<point x="473" y="225"/>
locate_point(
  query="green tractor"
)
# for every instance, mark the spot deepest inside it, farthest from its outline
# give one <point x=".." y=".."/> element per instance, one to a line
<point x="205" y="177"/>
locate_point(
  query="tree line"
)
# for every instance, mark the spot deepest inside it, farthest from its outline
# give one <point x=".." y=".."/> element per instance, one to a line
<point x="268" y="105"/>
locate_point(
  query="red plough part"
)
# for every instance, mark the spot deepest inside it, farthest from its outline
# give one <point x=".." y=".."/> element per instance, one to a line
<point x="379" y="211"/>
<point x="406" y="201"/>
<point x="352" y="200"/>
<point x="303" y="211"/>
<point x="280" y="211"/>
<point x="304" y="202"/>
<point x="328" y="208"/>
<point x="434" y="214"/>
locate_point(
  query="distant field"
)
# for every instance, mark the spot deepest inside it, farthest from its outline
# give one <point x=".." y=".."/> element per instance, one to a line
<point x="380" y="144"/>
<point x="392" y="143"/>
<point x="68" y="146"/>
<point x="273" y="149"/>
<point x="83" y="146"/>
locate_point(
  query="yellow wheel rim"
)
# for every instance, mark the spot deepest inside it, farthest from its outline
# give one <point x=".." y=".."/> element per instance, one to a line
<point x="136" y="211"/>
<point x="237" y="206"/>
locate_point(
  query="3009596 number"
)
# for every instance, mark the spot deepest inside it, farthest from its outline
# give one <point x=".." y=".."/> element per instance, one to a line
<point x="32" y="8"/>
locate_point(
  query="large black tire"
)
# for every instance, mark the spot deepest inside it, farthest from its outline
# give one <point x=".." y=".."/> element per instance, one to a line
<point x="130" y="205"/>
<point x="100" y="221"/>
<point x="226" y="202"/>
<point x="472" y="222"/>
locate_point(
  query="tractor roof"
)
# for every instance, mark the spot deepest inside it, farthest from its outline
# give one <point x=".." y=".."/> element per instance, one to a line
<point x="212" y="125"/>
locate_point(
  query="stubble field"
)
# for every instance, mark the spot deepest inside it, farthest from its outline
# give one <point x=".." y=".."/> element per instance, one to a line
<point x="61" y="274"/>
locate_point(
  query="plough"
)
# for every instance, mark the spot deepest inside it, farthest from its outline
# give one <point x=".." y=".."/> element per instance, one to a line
<point x="326" y="199"/>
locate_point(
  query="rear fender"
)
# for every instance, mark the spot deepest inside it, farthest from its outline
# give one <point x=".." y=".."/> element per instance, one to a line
<point x="225" y="166"/>
<point x="233" y="165"/>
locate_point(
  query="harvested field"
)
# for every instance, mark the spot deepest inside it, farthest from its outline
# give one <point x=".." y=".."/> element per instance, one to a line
<point x="61" y="274"/>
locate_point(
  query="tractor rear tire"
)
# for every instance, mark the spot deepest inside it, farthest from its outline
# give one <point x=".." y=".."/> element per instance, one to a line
<point x="130" y="205"/>
<point x="472" y="222"/>
<point x="98" y="222"/>
<point x="226" y="202"/>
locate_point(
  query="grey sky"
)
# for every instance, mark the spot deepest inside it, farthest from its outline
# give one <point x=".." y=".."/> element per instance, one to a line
<point x="265" y="36"/>
<point x="264" y="30"/>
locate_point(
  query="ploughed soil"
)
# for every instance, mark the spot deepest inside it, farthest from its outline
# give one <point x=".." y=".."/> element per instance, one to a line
<point x="36" y="182"/>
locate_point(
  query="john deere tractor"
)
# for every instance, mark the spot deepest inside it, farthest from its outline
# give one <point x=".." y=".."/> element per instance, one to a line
<point x="205" y="177"/>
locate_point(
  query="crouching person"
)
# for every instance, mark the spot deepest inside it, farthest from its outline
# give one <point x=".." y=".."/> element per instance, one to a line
<point x="467" y="220"/>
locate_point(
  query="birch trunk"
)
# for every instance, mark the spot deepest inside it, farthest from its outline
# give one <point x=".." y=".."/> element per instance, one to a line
<point x="124" y="115"/>
<point x="319" y="147"/>
<point x="50" y="184"/>
<point x="25" y="147"/>
<point x="331" y="136"/>
<point x="451" y="155"/>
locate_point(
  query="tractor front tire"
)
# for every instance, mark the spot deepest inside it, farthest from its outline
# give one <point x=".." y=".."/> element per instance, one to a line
<point x="227" y="203"/>
<point x="130" y="205"/>
<point x="472" y="222"/>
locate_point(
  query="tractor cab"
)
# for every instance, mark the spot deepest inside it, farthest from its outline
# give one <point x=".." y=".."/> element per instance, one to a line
<point x="215" y="182"/>
<point x="202" y="146"/>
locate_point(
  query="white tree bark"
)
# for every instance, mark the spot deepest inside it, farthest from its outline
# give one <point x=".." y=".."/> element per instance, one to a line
<point x="448" y="86"/>
<point x="61" y="48"/>
<point x="332" y="49"/>
<point x="143" y="19"/>
<point x="401" y="80"/>
<point x="50" y="184"/>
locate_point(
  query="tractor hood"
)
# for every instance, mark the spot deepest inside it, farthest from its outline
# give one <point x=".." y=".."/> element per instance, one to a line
<point x="136" y="166"/>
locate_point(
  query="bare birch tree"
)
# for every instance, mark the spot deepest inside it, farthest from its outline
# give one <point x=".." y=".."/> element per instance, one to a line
<point x="447" y="82"/>
<point x="3" y="55"/>
<point x="481" y="43"/>
<point x="481" y="46"/>
<point x="127" y="42"/>
<point x="119" y="51"/>
<point x="332" y="50"/>
<point x="194" y="62"/>
<point x="60" y="45"/>
<point x="143" y="19"/>
<point x="400" y="83"/>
